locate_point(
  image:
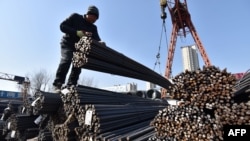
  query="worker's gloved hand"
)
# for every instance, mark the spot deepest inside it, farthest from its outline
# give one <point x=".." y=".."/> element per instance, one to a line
<point x="80" y="33"/>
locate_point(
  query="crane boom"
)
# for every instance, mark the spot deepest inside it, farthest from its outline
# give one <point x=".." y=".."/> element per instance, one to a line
<point x="182" y="24"/>
<point x="11" y="77"/>
<point x="24" y="81"/>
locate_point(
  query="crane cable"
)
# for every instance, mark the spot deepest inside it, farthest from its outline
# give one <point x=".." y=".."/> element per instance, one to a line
<point x="157" y="62"/>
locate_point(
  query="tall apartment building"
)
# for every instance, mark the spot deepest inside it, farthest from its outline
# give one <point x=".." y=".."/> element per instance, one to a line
<point x="190" y="58"/>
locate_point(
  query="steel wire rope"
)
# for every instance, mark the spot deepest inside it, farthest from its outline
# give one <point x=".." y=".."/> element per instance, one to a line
<point x="159" y="48"/>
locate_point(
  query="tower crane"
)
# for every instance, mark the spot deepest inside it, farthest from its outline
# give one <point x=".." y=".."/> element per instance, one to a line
<point x="24" y="81"/>
<point x="182" y="25"/>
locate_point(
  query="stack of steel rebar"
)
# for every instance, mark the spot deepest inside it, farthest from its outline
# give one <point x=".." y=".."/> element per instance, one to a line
<point x="46" y="103"/>
<point x="85" y="113"/>
<point x="7" y="107"/>
<point x="209" y="99"/>
<point x="92" y="55"/>
<point x="20" y="127"/>
<point x="101" y="113"/>
<point x="242" y="93"/>
<point x="207" y="105"/>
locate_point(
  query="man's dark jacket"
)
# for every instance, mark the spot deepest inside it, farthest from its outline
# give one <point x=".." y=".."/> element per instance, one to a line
<point x="73" y="23"/>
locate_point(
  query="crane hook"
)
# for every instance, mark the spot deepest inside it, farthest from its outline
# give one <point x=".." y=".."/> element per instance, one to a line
<point x="163" y="4"/>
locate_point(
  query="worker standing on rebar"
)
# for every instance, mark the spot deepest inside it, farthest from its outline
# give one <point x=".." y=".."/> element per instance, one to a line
<point x="74" y="27"/>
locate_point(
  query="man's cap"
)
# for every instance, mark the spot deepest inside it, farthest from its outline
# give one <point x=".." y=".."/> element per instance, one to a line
<point x="93" y="10"/>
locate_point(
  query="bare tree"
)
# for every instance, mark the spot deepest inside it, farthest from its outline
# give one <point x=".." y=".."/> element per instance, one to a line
<point x="40" y="80"/>
<point x="87" y="81"/>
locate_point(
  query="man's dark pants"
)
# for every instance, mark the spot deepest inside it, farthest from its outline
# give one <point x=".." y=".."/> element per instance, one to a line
<point x="63" y="68"/>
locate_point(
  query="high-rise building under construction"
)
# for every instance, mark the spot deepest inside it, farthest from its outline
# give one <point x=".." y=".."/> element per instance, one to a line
<point x="190" y="58"/>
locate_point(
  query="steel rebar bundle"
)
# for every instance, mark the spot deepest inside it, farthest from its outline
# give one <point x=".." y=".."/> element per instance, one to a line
<point x="2" y="123"/>
<point x="207" y="105"/>
<point x="9" y="107"/>
<point x="65" y="132"/>
<point x="46" y="103"/>
<point x="106" y="118"/>
<point x="110" y="112"/>
<point x="92" y="55"/>
<point x="45" y="135"/>
<point x="81" y="95"/>
<point x="133" y="132"/>
<point x="242" y="93"/>
<point x="21" y="127"/>
<point x="244" y="81"/>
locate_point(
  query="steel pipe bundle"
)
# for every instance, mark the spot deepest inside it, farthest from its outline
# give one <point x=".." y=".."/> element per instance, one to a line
<point x="153" y="94"/>
<point x="207" y="105"/>
<point x="141" y="93"/>
<point x="92" y="55"/>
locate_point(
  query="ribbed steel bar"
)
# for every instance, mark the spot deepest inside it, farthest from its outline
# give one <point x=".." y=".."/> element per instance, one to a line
<point x="85" y="93"/>
<point x="102" y="119"/>
<point x="107" y="60"/>
<point x="132" y="135"/>
<point x="122" y="131"/>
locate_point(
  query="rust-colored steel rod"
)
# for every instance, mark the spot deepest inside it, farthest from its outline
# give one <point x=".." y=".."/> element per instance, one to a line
<point x="208" y="103"/>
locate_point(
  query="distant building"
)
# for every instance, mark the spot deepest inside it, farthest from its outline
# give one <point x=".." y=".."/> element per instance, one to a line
<point x="10" y="94"/>
<point x="190" y="58"/>
<point x="130" y="87"/>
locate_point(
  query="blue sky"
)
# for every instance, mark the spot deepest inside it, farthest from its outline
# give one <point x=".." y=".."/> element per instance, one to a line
<point x="30" y="34"/>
